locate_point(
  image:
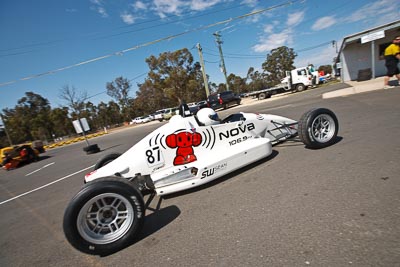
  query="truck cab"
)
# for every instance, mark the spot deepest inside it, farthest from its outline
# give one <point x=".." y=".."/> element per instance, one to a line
<point x="301" y="78"/>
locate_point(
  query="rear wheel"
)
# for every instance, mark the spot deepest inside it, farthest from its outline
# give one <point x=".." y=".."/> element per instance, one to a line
<point x="104" y="217"/>
<point x="106" y="159"/>
<point x="318" y="128"/>
<point x="262" y="96"/>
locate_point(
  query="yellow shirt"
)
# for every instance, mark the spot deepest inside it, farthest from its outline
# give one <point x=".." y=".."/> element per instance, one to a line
<point x="392" y="50"/>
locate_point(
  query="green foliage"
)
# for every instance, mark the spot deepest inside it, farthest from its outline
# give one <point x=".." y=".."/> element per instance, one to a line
<point x="62" y="125"/>
<point x="280" y="59"/>
<point x="119" y="90"/>
<point x="29" y="120"/>
<point x="173" y="76"/>
<point x="237" y="84"/>
<point x="256" y="80"/>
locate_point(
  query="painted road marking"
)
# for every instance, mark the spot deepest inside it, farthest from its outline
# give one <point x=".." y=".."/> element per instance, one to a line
<point x="46" y="185"/>
<point x="45" y="166"/>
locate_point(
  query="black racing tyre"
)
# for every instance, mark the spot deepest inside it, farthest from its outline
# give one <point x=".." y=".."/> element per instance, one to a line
<point x="91" y="149"/>
<point x="318" y="128"/>
<point x="300" y="87"/>
<point x="104" y="217"/>
<point x="106" y="159"/>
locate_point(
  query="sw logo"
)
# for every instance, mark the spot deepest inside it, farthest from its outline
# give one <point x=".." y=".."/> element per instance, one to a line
<point x="184" y="142"/>
<point x="213" y="170"/>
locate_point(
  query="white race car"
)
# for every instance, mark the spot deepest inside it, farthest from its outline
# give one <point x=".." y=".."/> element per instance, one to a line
<point x="109" y="211"/>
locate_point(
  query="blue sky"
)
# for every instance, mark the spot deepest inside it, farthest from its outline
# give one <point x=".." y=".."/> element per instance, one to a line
<point x="116" y="36"/>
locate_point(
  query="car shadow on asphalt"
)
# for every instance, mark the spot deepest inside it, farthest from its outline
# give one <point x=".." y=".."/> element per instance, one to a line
<point x="152" y="223"/>
<point x="43" y="157"/>
<point x="297" y="142"/>
<point x="111" y="147"/>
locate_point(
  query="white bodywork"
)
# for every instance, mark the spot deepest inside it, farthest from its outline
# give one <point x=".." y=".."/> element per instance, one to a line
<point x="181" y="154"/>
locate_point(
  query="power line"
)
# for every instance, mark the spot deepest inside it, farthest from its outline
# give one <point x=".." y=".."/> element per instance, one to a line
<point x="134" y="78"/>
<point x="119" y="53"/>
<point x="316" y="46"/>
<point x="239" y="56"/>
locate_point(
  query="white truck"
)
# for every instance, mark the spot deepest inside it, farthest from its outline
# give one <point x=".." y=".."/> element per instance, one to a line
<point x="296" y="80"/>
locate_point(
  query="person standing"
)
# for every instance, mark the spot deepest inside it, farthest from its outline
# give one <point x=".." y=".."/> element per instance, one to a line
<point x="392" y="56"/>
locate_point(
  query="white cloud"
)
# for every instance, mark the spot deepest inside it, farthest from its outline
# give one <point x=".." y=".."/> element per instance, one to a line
<point x="163" y="7"/>
<point x="295" y="19"/>
<point x="102" y="11"/>
<point x="139" y="5"/>
<point x="251" y="3"/>
<point x="268" y="28"/>
<point x="198" y="5"/>
<point x="374" y="10"/>
<point x="127" y="18"/>
<point x="323" y="57"/>
<point x="96" y="2"/>
<point x="98" y="7"/>
<point x="273" y="41"/>
<point x="323" y="23"/>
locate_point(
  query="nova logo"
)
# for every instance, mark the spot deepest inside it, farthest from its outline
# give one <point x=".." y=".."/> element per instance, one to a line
<point x="236" y="131"/>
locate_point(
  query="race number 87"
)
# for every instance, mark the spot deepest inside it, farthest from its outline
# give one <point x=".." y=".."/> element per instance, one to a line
<point x="154" y="156"/>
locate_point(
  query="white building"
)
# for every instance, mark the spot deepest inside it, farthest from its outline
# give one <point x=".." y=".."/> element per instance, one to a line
<point x="361" y="55"/>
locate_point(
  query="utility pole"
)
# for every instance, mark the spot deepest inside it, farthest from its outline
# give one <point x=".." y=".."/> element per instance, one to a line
<point x="203" y="68"/>
<point x="219" y="42"/>
<point x="5" y="130"/>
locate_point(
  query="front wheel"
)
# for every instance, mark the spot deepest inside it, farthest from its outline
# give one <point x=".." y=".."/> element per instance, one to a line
<point x="104" y="217"/>
<point x="300" y="87"/>
<point x="318" y="128"/>
<point x="106" y="159"/>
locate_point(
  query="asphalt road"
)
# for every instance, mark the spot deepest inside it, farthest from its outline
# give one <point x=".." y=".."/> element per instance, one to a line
<point x="339" y="206"/>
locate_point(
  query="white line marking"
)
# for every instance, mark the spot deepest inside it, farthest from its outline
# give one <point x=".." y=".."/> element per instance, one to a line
<point x="40" y="169"/>
<point x="46" y="185"/>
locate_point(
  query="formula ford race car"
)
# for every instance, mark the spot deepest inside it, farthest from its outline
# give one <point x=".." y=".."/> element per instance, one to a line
<point x="109" y="211"/>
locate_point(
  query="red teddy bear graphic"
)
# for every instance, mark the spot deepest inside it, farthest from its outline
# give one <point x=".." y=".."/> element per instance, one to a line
<point x="185" y="142"/>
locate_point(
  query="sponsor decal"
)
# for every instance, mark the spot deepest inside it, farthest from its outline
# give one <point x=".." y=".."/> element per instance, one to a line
<point x="184" y="143"/>
<point x="213" y="170"/>
<point x="236" y="131"/>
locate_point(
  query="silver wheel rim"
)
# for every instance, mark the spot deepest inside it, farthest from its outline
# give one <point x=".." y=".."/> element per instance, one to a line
<point x="323" y="128"/>
<point x="105" y="218"/>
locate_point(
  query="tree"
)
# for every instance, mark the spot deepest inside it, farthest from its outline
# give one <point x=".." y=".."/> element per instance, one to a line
<point x="119" y="90"/>
<point x="237" y="84"/>
<point x="255" y="80"/>
<point x="280" y="59"/>
<point x="173" y="76"/>
<point x="61" y="122"/>
<point x="74" y="100"/>
<point x="30" y="119"/>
